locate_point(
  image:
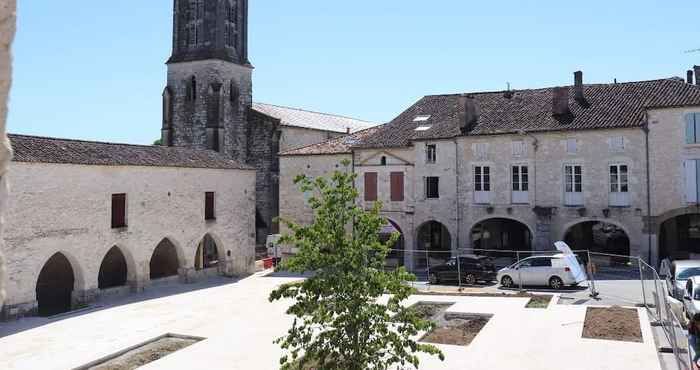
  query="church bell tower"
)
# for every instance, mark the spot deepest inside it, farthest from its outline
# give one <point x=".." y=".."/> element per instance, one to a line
<point x="209" y="90"/>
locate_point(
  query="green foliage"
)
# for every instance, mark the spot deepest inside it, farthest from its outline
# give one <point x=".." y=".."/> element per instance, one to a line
<point x="342" y="322"/>
<point x="158" y="142"/>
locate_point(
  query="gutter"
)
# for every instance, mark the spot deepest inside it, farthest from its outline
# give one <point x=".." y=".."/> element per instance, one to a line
<point x="457" y="192"/>
<point x="645" y="129"/>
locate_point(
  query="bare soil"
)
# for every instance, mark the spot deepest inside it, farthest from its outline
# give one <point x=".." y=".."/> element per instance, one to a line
<point x="612" y="323"/>
<point x="429" y="310"/>
<point x="536" y="300"/>
<point x="459" y="331"/>
<point x="146" y="354"/>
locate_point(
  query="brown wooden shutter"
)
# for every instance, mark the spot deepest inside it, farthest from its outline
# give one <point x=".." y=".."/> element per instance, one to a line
<point x="397" y="186"/>
<point x="370" y="186"/>
<point x="209" y="206"/>
<point x="118" y="211"/>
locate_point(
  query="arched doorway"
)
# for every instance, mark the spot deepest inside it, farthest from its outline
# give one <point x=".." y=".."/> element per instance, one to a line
<point x="493" y="235"/>
<point x="164" y="261"/>
<point x="54" y="288"/>
<point x="679" y="237"/>
<point x="395" y="257"/>
<point x="113" y="270"/>
<point x="598" y="236"/>
<point x="434" y="244"/>
<point x="207" y="254"/>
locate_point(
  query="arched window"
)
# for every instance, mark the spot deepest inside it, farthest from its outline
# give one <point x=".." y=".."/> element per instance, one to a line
<point x="230" y="30"/>
<point x="383" y="161"/>
<point x="193" y="23"/>
<point x="167" y="107"/>
<point x="234" y="94"/>
<point x="192" y="89"/>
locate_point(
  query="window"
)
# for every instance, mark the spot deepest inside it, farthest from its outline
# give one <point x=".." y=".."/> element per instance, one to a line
<point x="482" y="184"/>
<point x="616" y="144"/>
<point x="692" y="128"/>
<point x="571" y="146"/>
<point x="397" y="184"/>
<point x="209" y="208"/>
<point x="518" y="148"/>
<point x="421" y="118"/>
<point x="118" y="211"/>
<point x="573" y="188"/>
<point x="521" y="184"/>
<point x="619" y="185"/>
<point x="480" y="150"/>
<point x="191" y="89"/>
<point x="541" y="262"/>
<point x="691" y="169"/>
<point x="370" y="186"/>
<point x="430" y="153"/>
<point x="382" y="161"/>
<point x="432" y="187"/>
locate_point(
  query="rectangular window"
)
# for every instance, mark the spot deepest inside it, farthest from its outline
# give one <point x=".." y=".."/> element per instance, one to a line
<point x="616" y="144"/>
<point x="573" y="185"/>
<point x="430" y="153"/>
<point x="432" y="187"/>
<point x="396" y="180"/>
<point x="482" y="184"/>
<point x="571" y="146"/>
<point x="370" y="186"/>
<point x="692" y="128"/>
<point x="619" y="185"/>
<point x="518" y="148"/>
<point x="480" y="150"/>
<point x="209" y="206"/>
<point x="691" y="169"/>
<point x="521" y="184"/>
<point x="118" y="211"/>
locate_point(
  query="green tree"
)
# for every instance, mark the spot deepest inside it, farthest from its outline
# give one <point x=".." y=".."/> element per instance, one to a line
<point x="340" y="321"/>
<point x="158" y="142"/>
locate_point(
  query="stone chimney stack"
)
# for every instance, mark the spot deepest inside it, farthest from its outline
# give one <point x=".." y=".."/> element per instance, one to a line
<point x="697" y="73"/>
<point x="468" y="112"/>
<point x="689" y="78"/>
<point x="560" y="101"/>
<point x="578" y="86"/>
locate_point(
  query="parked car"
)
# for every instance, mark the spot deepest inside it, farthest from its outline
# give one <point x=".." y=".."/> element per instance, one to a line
<point x="691" y="297"/>
<point x="472" y="267"/>
<point x="554" y="271"/>
<point x="677" y="274"/>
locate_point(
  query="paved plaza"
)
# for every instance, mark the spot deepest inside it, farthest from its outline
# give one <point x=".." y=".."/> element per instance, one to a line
<point x="239" y="325"/>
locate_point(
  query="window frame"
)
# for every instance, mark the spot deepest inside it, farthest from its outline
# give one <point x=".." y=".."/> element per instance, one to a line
<point x="617" y="196"/>
<point x="573" y="197"/>
<point x="394" y="176"/>
<point x="119" y="221"/>
<point x="430" y="153"/>
<point x="369" y="196"/>
<point x="520" y="183"/>
<point x="428" y="187"/>
<point x="210" y="206"/>
<point x="695" y="125"/>
<point x="482" y="183"/>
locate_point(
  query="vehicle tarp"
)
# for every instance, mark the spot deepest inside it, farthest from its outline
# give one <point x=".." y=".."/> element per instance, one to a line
<point x="571" y="261"/>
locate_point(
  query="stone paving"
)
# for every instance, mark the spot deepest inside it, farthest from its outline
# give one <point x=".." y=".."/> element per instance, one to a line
<point x="240" y="324"/>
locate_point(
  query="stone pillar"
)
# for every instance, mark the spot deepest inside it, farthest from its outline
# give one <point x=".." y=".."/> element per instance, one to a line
<point x="7" y="34"/>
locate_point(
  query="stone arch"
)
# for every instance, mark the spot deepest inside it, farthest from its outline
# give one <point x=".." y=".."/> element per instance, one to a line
<point x="166" y="260"/>
<point x="209" y="253"/>
<point x="116" y="269"/>
<point x="596" y="235"/>
<point x="395" y="258"/>
<point x="678" y="233"/>
<point x="433" y="243"/>
<point x="55" y="285"/>
<point x="501" y="232"/>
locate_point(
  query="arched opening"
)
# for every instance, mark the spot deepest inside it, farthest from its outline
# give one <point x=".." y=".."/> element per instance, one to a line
<point x="113" y="270"/>
<point x="495" y="234"/>
<point x="164" y="261"/>
<point x="598" y="236"/>
<point x="395" y="257"/>
<point x="434" y="244"/>
<point x="261" y="228"/>
<point x="207" y="254"/>
<point x="679" y="237"/>
<point x="54" y="288"/>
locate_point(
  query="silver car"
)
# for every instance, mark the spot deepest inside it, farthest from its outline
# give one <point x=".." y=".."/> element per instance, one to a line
<point x="554" y="271"/>
<point x="677" y="274"/>
<point x="691" y="297"/>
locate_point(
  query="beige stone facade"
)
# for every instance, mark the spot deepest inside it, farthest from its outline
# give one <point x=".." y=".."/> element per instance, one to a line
<point x="65" y="208"/>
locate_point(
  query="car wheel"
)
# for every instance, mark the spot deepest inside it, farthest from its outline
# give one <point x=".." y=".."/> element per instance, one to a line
<point x="555" y="282"/>
<point x="470" y="279"/>
<point x="433" y="278"/>
<point x="506" y="281"/>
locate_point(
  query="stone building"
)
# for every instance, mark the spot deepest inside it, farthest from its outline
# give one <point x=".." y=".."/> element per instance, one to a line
<point x="607" y="167"/>
<point x="89" y="219"/>
<point x="208" y="100"/>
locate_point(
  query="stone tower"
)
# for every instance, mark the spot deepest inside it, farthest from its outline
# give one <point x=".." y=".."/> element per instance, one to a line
<point x="209" y="90"/>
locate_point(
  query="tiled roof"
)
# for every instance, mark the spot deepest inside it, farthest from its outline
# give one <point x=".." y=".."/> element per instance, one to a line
<point x="338" y="145"/>
<point x="312" y="120"/>
<point x="36" y="149"/>
<point x="606" y="106"/>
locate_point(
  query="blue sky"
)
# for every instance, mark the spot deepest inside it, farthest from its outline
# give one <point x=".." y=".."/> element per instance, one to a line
<point x="95" y="69"/>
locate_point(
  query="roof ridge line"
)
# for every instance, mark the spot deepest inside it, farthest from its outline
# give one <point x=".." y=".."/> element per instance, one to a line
<point x="315" y="112"/>
<point x="9" y="134"/>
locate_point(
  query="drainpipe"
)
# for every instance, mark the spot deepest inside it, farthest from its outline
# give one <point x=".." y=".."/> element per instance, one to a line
<point x="645" y="129"/>
<point x="459" y="213"/>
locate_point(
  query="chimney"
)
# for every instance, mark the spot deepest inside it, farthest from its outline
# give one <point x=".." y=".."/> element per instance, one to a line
<point x="697" y="73"/>
<point x="689" y="78"/>
<point x="347" y="130"/>
<point x="560" y="101"/>
<point x="578" y="86"/>
<point x="468" y="112"/>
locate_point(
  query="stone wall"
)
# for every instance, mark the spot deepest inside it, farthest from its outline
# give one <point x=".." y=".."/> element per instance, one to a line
<point x="296" y="137"/>
<point x="66" y="208"/>
<point x="7" y="32"/>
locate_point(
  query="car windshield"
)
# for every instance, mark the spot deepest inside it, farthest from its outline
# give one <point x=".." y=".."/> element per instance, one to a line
<point x="696" y="295"/>
<point x="688" y="273"/>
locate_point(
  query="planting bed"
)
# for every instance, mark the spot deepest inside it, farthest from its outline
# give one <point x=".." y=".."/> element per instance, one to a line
<point x="536" y="300"/>
<point x="455" y="329"/>
<point x="143" y="354"/>
<point x="612" y="323"/>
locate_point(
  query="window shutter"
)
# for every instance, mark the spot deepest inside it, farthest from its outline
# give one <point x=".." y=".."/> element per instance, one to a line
<point x="370" y="186"/>
<point x="397" y="187"/>
<point x="691" y="182"/>
<point x="209" y="206"/>
<point x="571" y="146"/>
<point x="118" y="210"/>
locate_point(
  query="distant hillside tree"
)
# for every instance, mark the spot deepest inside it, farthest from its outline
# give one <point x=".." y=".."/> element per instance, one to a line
<point x="158" y="142"/>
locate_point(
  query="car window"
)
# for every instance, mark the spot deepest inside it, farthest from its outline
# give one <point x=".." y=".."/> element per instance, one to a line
<point x="696" y="296"/>
<point x="688" y="273"/>
<point x="542" y="262"/>
<point x="525" y="263"/>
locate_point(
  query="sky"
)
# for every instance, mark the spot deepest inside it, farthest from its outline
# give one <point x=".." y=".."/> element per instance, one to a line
<point x="96" y="70"/>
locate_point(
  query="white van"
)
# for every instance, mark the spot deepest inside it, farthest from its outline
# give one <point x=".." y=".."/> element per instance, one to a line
<point x="554" y="271"/>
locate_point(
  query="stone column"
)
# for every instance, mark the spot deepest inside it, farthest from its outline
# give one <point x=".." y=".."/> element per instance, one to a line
<point x="7" y="34"/>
